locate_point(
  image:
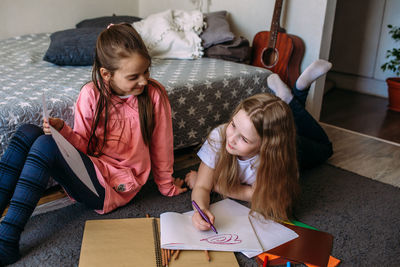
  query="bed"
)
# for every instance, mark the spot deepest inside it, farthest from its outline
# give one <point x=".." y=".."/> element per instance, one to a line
<point x="202" y="92"/>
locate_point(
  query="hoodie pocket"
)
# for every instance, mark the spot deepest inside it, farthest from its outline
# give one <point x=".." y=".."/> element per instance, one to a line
<point x="124" y="182"/>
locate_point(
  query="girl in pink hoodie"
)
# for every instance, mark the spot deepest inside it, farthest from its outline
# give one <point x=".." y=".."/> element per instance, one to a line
<point x="122" y="130"/>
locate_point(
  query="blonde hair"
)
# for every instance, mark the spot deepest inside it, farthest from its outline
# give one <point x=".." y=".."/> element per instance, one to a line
<point x="276" y="184"/>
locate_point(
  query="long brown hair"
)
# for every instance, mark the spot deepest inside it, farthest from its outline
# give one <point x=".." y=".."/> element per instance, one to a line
<point x="113" y="44"/>
<point x="276" y="184"/>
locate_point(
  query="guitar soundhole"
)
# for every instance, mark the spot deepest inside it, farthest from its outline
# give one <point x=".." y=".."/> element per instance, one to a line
<point x="269" y="57"/>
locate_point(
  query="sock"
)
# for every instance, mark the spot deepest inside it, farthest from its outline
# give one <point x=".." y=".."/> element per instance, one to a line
<point x="280" y="89"/>
<point x="313" y="72"/>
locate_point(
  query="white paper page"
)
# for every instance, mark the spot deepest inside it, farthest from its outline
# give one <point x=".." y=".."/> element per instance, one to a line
<point x="70" y="154"/>
<point x="234" y="234"/>
<point x="226" y="207"/>
<point x="73" y="158"/>
<point x="45" y="110"/>
<point x="270" y="234"/>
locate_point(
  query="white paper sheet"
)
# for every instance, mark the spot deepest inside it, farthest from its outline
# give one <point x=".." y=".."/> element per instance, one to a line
<point x="270" y="234"/>
<point x="234" y="234"/>
<point x="70" y="154"/>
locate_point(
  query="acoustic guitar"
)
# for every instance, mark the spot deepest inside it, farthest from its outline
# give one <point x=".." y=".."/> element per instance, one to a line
<point x="277" y="51"/>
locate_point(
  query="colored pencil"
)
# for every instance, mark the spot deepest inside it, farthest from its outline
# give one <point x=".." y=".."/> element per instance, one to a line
<point x="265" y="263"/>
<point x="176" y="254"/>
<point x="207" y="255"/>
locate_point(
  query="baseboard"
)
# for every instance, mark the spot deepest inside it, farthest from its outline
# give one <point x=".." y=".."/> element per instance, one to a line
<point x="359" y="84"/>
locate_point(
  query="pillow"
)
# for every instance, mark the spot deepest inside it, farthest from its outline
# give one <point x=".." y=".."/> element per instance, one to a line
<point x="217" y="31"/>
<point x="73" y="47"/>
<point x="103" y="22"/>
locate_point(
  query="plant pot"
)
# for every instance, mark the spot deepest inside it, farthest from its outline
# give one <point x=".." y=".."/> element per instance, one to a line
<point x="394" y="93"/>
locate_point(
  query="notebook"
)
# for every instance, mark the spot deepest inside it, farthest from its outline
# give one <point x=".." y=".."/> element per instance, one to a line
<point x="135" y="242"/>
<point x="269" y="233"/>
<point x="235" y="233"/>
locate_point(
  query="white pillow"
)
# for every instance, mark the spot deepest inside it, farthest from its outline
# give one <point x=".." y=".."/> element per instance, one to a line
<point x="172" y="34"/>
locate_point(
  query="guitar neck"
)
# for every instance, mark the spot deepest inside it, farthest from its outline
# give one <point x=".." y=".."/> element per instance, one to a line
<point x="275" y="23"/>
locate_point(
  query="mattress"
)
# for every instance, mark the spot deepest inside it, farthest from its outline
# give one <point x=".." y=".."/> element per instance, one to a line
<point x="202" y="92"/>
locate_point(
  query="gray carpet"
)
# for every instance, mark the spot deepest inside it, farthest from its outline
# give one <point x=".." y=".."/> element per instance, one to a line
<point x="362" y="215"/>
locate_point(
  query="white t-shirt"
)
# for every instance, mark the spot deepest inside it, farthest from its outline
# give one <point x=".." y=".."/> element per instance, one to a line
<point x="208" y="155"/>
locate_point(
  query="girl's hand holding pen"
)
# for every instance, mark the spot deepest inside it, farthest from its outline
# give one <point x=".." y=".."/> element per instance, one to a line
<point x="57" y="124"/>
<point x="200" y="223"/>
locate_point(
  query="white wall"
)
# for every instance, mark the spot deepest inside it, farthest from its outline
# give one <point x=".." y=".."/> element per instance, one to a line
<point x="311" y="20"/>
<point x="18" y="17"/>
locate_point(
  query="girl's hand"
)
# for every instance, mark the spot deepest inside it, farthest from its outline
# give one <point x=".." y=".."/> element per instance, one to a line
<point x="57" y="124"/>
<point x="200" y="223"/>
<point x="178" y="185"/>
<point x="190" y="179"/>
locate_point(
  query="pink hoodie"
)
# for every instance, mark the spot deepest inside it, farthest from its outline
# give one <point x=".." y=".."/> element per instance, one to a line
<point x="126" y="162"/>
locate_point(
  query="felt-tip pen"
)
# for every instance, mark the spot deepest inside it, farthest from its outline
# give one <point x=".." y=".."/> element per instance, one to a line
<point x="204" y="216"/>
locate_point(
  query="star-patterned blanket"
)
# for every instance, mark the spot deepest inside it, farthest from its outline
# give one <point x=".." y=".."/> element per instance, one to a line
<point x="202" y="92"/>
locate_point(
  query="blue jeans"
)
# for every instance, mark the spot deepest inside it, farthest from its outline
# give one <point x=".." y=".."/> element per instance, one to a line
<point x="25" y="168"/>
<point x="313" y="145"/>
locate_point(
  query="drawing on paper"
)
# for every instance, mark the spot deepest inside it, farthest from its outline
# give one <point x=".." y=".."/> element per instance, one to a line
<point x="223" y="239"/>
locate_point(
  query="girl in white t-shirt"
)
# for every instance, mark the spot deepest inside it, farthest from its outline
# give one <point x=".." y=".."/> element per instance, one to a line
<point x="255" y="157"/>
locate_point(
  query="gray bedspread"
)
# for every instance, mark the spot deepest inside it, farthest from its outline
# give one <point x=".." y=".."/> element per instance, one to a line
<point x="202" y="92"/>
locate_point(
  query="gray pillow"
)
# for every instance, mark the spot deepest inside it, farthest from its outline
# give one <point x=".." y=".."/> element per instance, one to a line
<point x="103" y="22"/>
<point x="72" y="47"/>
<point x="218" y="29"/>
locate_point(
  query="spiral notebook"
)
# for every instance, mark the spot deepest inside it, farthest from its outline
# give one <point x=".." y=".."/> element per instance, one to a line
<point x="136" y="242"/>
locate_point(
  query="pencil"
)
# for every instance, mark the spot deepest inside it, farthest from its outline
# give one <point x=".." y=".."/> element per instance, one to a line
<point x="207" y="255"/>
<point x="169" y="254"/>
<point x="176" y="254"/>
<point x="162" y="257"/>
<point x="165" y="253"/>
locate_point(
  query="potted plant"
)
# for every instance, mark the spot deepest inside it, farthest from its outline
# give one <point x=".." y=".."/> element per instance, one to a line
<point x="393" y="64"/>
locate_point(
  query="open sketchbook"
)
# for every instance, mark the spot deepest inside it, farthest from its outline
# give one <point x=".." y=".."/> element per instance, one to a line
<point x="70" y="154"/>
<point x="230" y="215"/>
<point x="234" y="234"/>
<point x="135" y="242"/>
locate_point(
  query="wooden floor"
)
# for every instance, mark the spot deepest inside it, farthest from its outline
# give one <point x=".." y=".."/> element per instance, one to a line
<point x="361" y="113"/>
<point x="367" y="156"/>
<point x="364" y="133"/>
